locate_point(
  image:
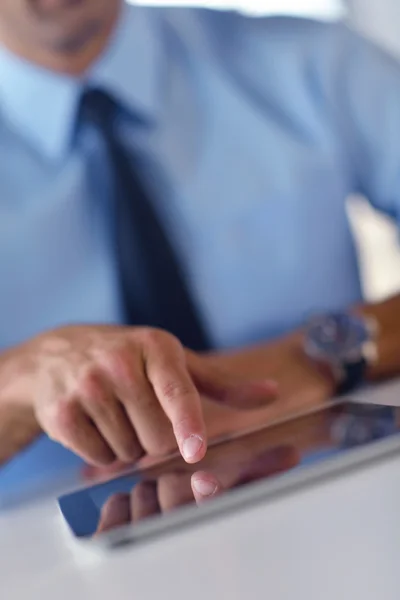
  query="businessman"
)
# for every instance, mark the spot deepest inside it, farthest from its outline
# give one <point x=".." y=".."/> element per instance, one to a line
<point x="172" y="211"/>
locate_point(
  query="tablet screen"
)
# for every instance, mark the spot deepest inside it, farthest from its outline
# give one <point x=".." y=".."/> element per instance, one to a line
<point x="263" y="454"/>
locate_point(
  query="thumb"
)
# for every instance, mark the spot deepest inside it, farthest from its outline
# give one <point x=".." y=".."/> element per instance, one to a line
<point x="227" y="388"/>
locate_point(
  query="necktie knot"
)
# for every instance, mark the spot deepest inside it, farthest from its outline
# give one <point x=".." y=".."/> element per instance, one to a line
<point x="98" y="107"/>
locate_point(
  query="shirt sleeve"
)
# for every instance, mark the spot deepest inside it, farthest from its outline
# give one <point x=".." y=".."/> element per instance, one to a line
<point x="362" y="85"/>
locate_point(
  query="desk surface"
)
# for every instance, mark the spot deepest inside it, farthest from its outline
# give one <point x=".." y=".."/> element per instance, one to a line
<point x="339" y="539"/>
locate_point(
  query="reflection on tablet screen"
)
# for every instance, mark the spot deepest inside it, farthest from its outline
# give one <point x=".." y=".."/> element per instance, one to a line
<point x="266" y="453"/>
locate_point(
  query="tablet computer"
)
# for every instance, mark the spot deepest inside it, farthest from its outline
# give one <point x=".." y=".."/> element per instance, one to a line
<point x="250" y="467"/>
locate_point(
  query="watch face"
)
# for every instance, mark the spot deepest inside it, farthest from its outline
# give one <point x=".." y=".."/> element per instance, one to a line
<point x="336" y="337"/>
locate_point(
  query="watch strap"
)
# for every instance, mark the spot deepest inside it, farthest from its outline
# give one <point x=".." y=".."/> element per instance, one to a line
<point x="353" y="376"/>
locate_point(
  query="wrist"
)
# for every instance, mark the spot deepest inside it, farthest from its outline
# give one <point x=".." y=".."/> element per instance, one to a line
<point x="16" y="385"/>
<point x="385" y="362"/>
<point x="18" y="425"/>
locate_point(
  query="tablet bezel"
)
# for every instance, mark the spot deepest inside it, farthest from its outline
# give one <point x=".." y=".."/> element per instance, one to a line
<point x="263" y="491"/>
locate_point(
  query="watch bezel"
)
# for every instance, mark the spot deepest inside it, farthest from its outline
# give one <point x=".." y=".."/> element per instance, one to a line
<point x="362" y="347"/>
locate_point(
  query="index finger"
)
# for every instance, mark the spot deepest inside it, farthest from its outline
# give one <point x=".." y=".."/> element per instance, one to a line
<point x="167" y="372"/>
<point x="205" y="486"/>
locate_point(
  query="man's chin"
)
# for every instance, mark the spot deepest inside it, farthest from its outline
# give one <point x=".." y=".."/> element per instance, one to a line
<point x="73" y="41"/>
<point x="52" y="6"/>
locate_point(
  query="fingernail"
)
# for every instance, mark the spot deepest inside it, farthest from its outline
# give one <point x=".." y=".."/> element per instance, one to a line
<point x="191" y="447"/>
<point x="204" y="487"/>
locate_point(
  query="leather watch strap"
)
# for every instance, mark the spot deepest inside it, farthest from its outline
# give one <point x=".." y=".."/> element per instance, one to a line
<point x="353" y="376"/>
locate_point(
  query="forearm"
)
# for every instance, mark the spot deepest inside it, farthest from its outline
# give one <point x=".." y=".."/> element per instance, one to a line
<point x="18" y="426"/>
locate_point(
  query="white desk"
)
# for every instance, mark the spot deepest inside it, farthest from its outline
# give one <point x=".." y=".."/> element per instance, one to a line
<point x="339" y="540"/>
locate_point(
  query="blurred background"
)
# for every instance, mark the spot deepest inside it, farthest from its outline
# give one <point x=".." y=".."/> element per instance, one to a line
<point x="376" y="236"/>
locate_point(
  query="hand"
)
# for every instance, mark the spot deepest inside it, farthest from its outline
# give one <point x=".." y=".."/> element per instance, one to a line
<point x="173" y="489"/>
<point x="301" y="385"/>
<point x="112" y="393"/>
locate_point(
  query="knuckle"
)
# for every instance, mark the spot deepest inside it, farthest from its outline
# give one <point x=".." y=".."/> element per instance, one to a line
<point x="62" y="420"/>
<point x="174" y="391"/>
<point x="152" y="337"/>
<point x="90" y="386"/>
<point x="118" y="362"/>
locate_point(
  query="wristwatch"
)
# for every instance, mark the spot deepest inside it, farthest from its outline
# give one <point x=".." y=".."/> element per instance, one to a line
<point x="343" y="345"/>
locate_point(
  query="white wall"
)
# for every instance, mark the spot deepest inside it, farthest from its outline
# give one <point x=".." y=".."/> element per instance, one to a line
<point x="380" y="19"/>
<point x="378" y="238"/>
<point x="318" y="8"/>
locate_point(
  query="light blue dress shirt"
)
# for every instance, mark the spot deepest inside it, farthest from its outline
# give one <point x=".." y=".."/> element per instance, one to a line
<point x="253" y="133"/>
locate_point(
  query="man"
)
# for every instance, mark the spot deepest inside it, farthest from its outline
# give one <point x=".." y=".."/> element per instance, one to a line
<point x="173" y="182"/>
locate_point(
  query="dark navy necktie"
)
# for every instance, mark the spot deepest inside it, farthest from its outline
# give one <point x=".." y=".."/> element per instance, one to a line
<point x="154" y="288"/>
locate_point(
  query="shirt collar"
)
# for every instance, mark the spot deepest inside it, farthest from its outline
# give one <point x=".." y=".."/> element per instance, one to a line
<point x="42" y="105"/>
<point x="129" y="69"/>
